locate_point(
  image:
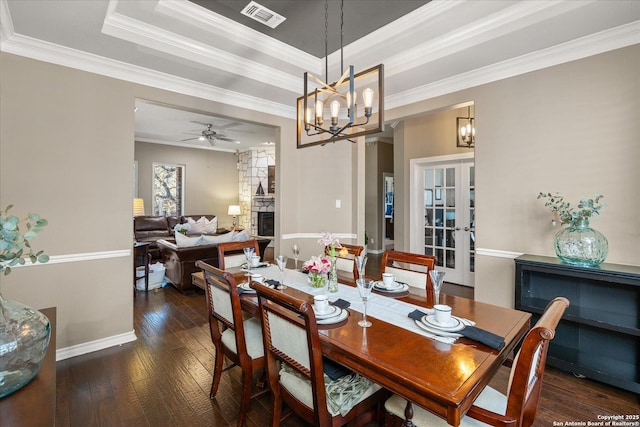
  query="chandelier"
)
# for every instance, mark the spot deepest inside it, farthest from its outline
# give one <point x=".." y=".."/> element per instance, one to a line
<point x="466" y="130"/>
<point x="330" y="112"/>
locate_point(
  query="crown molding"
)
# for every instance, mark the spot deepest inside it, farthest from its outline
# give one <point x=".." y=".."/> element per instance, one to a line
<point x="60" y="55"/>
<point x="152" y="37"/>
<point x="520" y="15"/>
<point x="604" y="41"/>
<point x="222" y="26"/>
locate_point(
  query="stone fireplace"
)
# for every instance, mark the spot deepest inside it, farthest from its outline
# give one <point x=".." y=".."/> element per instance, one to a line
<point x="257" y="190"/>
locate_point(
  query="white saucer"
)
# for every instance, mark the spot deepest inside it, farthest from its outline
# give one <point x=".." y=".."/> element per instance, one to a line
<point x="246" y="288"/>
<point x="332" y="311"/>
<point x="335" y="319"/>
<point x="454" y="325"/>
<point x="380" y="286"/>
<point x="436" y="331"/>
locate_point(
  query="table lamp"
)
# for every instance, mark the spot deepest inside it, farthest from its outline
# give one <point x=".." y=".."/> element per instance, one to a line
<point x="234" y="210"/>
<point x="138" y="207"/>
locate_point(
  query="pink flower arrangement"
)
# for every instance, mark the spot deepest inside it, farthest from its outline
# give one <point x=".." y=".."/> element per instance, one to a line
<point x="319" y="265"/>
<point x="332" y="242"/>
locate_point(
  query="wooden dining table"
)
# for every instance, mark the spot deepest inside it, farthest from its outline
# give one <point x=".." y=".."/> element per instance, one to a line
<point x="441" y="377"/>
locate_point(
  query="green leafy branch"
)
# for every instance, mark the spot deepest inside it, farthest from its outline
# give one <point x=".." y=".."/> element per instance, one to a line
<point x="15" y="246"/>
<point x="586" y="208"/>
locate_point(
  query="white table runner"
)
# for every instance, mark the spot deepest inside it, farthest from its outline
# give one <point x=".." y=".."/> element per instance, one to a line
<point x="379" y="306"/>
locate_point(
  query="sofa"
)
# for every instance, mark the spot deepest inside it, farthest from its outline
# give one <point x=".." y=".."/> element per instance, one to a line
<point x="150" y="229"/>
<point x="179" y="258"/>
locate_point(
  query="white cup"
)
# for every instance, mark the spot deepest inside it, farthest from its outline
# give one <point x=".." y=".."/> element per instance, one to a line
<point x="388" y="279"/>
<point x="255" y="260"/>
<point x="320" y="303"/>
<point x="443" y="314"/>
<point x="255" y="277"/>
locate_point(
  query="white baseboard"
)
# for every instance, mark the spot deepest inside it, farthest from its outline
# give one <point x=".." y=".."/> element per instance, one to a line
<point x="91" y="346"/>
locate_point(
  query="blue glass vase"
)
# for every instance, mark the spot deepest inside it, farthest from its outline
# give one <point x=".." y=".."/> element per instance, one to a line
<point x="579" y="244"/>
<point x="24" y="338"/>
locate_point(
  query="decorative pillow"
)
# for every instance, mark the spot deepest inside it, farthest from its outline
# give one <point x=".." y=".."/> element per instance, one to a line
<point x="210" y="227"/>
<point x="241" y="236"/>
<point x="207" y="240"/>
<point x="196" y="227"/>
<point x="183" y="241"/>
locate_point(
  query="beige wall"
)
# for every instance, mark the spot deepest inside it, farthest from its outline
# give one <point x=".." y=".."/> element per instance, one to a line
<point x="211" y="178"/>
<point x="572" y="128"/>
<point x="66" y="152"/>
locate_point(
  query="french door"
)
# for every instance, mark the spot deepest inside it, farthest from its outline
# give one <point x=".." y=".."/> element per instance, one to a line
<point x="443" y="214"/>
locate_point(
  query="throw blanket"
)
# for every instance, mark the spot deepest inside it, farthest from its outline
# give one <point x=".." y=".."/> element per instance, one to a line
<point x="342" y="394"/>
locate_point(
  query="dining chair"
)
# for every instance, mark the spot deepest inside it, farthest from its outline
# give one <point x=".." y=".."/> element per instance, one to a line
<point x="411" y="269"/>
<point x="230" y="254"/>
<point x="237" y="339"/>
<point x="347" y="263"/>
<point x="492" y="408"/>
<point x="296" y="370"/>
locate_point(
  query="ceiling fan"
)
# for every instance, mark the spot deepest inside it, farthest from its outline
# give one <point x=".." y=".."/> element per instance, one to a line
<point x="211" y="135"/>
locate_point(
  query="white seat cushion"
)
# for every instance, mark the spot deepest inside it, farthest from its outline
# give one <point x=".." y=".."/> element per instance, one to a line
<point x="489" y="399"/>
<point x="252" y="335"/>
<point x="301" y="388"/>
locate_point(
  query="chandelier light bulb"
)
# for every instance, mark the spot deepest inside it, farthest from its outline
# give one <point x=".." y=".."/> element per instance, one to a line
<point x="319" y="112"/>
<point x="335" y="109"/>
<point x="368" y="97"/>
<point x="351" y="99"/>
<point x="308" y="118"/>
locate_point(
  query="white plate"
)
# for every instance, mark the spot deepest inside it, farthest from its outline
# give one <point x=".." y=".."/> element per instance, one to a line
<point x="331" y="311"/>
<point x="435" y="331"/>
<point x="335" y="319"/>
<point x="454" y="326"/>
<point x="379" y="286"/>
<point x="260" y="265"/>
<point x="246" y="288"/>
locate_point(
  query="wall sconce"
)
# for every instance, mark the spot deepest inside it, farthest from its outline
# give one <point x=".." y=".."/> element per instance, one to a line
<point x="466" y="131"/>
<point x="234" y="210"/>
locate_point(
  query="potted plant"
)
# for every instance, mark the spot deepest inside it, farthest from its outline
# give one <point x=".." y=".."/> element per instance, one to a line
<point x="578" y="244"/>
<point x="24" y="332"/>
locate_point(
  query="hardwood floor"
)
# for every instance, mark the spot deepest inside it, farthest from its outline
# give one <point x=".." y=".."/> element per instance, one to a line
<point x="164" y="377"/>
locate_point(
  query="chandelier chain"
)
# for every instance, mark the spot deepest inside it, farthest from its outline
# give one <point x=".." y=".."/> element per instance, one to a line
<point x="326" y="40"/>
<point x="341" y="34"/>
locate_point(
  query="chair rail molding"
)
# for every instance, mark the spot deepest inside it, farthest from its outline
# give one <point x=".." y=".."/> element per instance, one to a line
<point x="496" y="253"/>
<point x="86" y="256"/>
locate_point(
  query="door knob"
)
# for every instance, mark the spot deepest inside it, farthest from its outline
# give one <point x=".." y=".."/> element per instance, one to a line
<point x="466" y="229"/>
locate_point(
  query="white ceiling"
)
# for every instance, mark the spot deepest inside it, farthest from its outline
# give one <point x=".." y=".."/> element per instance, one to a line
<point x="177" y="45"/>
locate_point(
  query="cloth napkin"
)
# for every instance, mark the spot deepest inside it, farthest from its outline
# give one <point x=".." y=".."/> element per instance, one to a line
<point x="474" y="333"/>
<point x="272" y="283"/>
<point x="340" y="303"/>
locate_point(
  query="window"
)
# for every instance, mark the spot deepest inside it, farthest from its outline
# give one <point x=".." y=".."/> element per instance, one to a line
<point x="168" y="185"/>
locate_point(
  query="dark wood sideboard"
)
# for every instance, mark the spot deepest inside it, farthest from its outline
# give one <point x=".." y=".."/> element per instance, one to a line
<point x="599" y="334"/>
<point x="34" y="405"/>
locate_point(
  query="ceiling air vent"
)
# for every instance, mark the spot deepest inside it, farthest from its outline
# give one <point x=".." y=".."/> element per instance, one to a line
<point x="263" y="15"/>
